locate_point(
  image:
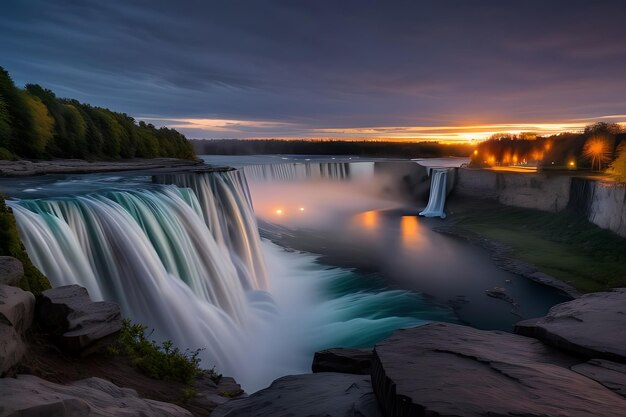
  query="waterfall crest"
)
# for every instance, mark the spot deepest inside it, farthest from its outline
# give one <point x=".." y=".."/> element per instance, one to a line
<point x="438" y="193"/>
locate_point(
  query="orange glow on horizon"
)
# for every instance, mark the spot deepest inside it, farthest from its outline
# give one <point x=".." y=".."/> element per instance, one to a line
<point x="462" y="132"/>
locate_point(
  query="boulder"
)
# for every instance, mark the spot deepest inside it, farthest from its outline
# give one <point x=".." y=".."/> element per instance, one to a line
<point x="11" y="270"/>
<point x="346" y="361"/>
<point x="593" y="326"/>
<point x="17" y="306"/>
<point x="16" y="315"/>
<point x="444" y="369"/>
<point x="75" y="321"/>
<point x="28" y="395"/>
<point x="321" y="394"/>
<point x="12" y="348"/>
<point x="610" y="374"/>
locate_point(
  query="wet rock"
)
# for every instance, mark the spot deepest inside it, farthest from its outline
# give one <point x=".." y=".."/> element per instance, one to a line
<point x="11" y="270"/>
<point x="75" y="321"/>
<point x="321" y="394"/>
<point x="17" y="306"/>
<point x="593" y="325"/>
<point x="610" y="374"/>
<point x="29" y="395"/>
<point x="449" y="370"/>
<point x="346" y="361"/>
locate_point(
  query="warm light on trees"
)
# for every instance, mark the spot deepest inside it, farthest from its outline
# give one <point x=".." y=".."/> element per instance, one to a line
<point x="618" y="167"/>
<point x="598" y="150"/>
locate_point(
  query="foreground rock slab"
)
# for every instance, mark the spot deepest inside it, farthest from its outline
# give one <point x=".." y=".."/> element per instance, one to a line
<point x="593" y="325"/>
<point x="11" y="270"/>
<point x="346" y="361"/>
<point x="29" y="395"/>
<point x="74" y="320"/>
<point x="610" y="374"/>
<point x="322" y="394"/>
<point x="449" y="370"/>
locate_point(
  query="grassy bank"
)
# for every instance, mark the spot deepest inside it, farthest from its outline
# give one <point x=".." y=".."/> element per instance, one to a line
<point x="564" y="245"/>
<point x="11" y="245"/>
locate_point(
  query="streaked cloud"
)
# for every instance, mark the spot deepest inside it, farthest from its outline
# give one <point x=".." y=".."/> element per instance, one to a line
<point x="282" y="68"/>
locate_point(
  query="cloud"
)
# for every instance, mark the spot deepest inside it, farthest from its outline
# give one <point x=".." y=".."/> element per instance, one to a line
<point x="302" y="67"/>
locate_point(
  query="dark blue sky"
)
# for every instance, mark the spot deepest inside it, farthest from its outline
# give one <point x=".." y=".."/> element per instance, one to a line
<point x="323" y="68"/>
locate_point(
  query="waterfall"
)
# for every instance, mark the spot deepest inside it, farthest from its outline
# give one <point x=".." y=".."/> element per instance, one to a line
<point x="309" y="170"/>
<point x="149" y="249"/>
<point x="438" y="193"/>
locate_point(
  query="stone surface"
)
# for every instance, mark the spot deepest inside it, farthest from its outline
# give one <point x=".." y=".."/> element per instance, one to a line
<point x="75" y="321"/>
<point x="311" y="395"/>
<point x="593" y="325"/>
<point x="449" y="370"/>
<point x="610" y="374"/>
<point x="12" y="348"/>
<point x="539" y="191"/>
<point x="29" y="395"/>
<point x="11" y="270"/>
<point x="346" y="361"/>
<point x="17" y="306"/>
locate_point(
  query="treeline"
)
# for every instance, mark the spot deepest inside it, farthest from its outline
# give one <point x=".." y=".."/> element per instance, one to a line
<point x="34" y="123"/>
<point x="382" y="149"/>
<point x="594" y="148"/>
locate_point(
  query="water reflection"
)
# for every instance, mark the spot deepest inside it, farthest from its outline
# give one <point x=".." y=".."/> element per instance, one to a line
<point x="410" y="232"/>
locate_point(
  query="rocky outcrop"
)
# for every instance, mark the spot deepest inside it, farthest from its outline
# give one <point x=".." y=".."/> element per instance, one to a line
<point x="17" y="307"/>
<point x="16" y="315"/>
<point x="529" y="190"/>
<point x="28" y="395"/>
<point x="346" y="361"/>
<point x="610" y="374"/>
<point x="443" y="369"/>
<point x="607" y="207"/>
<point x="11" y="270"/>
<point x="321" y="394"/>
<point x="75" y="322"/>
<point x="593" y="326"/>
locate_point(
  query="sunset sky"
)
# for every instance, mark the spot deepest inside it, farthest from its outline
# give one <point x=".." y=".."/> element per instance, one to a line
<point x="328" y="68"/>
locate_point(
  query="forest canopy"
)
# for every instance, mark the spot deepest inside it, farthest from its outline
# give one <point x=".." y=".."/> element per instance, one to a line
<point x="35" y="123"/>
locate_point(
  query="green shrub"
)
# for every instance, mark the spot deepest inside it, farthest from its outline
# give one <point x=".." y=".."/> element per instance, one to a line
<point x="11" y="245"/>
<point x="160" y="361"/>
<point x="6" y="155"/>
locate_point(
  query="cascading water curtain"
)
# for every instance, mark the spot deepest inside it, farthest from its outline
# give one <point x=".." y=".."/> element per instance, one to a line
<point x="183" y="257"/>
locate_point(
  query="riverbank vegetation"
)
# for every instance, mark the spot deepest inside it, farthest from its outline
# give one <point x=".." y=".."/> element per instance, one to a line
<point x="35" y="123"/>
<point x="564" y="245"/>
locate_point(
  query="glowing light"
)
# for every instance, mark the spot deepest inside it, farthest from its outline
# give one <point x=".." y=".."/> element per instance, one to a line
<point x="475" y="151"/>
<point x="368" y="219"/>
<point x="410" y="232"/>
<point x="279" y="211"/>
<point x="301" y="208"/>
<point x="572" y="163"/>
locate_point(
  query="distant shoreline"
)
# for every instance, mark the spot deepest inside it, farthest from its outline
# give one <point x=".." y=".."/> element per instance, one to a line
<point x="26" y="168"/>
